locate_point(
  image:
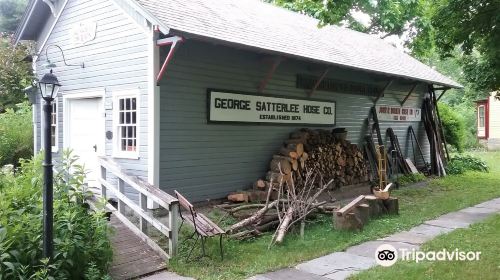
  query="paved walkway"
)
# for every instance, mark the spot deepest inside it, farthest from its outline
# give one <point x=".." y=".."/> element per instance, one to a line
<point x="341" y="265"/>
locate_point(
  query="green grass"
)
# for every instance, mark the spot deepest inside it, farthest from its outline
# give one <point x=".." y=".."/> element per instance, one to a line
<point x="483" y="237"/>
<point x="247" y="258"/>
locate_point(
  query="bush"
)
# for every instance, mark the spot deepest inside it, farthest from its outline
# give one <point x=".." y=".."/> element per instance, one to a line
<point x="462" y="163"/>
<point x="454" y="126"/>
<point x="408" y="179"/>
<point x="81" y="238"/>
<point x="16" y="135"/>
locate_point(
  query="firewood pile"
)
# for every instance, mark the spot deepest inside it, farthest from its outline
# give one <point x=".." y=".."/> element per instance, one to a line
<point x="327" y="151"/>
<point x="293" y="204"/>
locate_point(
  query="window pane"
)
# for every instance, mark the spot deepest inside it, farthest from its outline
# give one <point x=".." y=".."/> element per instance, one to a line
<point x="121" y="105"/>
<point x="134" y="119"/>
<point x="134" y="106"/>
<point x="121" y="117"/>
<point x="127" y="103"/>
<point x="127" y="117"/>
<point x="131" y="133"/>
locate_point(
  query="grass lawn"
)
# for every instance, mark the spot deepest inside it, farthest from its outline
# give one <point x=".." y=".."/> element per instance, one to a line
<point x="483" y="237"/>
<point x="247" y="258"/>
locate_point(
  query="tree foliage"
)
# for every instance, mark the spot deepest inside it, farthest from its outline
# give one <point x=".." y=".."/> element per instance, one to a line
<point x="474" y="26"/>
<point x="426" y="27"/>
<point x="388" y="17"/>
<point x="16" y="74"/>
<point x="11" y="12"/>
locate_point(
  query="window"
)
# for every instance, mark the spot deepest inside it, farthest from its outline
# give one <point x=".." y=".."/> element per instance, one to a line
<point x="126" y="125"/>
<point x="53" y="125"/>
<point x="481" y="116"/>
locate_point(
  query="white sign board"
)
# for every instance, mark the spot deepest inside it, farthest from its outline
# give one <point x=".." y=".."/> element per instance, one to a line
<point x="235" y="107"/>
<point x="83" y="32"/>
<point x="397" y="113"/>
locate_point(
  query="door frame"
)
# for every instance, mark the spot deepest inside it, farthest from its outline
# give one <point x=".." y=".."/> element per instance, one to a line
<point x="84" y="94"/>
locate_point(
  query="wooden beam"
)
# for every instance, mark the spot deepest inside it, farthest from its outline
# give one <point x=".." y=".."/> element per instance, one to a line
<point x="318" y="82"/>
<point x="346" y="209"/>
<point x="383" y="91"/>
<point x="442" y="93"/>
<point x="269" y="75"/>
<point x="409" y="93"/>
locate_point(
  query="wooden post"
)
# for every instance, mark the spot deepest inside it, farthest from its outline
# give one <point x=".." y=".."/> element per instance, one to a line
<point x="103" y="176"/>
<point x="143" y="203"/>
<point x="121" y="189"/>
<point x="173" y="217"/>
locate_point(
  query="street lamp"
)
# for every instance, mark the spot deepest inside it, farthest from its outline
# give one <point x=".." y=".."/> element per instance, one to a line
<point x="49" y="87"/>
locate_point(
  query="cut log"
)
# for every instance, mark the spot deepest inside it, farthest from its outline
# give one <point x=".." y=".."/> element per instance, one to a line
<point x="284" y="225"/>
<point x="255" y="217"/>
<point x="376" y="207"/>
<point x="391" y="206"/>
<point x="285" y="151"/>
<point x="281" y="164"/>
<point x="238" y="197"/>
<point x="362" y="211"/>
<point x="259" y="184"/>
<point x="348" y="221"/>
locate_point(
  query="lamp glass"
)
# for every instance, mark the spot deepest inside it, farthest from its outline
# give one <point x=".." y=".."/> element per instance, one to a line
<point x="49" y="86"/>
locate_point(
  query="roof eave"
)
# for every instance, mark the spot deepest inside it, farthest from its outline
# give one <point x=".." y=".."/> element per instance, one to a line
<point x="244" y="46"/>
<point x="18" y="35"/>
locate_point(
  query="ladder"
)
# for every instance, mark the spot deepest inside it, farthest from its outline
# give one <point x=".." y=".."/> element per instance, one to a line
<point x="382" y="166"/>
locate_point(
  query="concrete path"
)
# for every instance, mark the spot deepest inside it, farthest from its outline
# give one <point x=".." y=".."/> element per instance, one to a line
<point x="341" y="265"/>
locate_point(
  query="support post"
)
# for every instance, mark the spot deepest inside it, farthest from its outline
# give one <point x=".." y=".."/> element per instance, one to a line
<point x="409" y="93"/>
<point x="173" y="217"/>
<point x="441" y="95"/>
<point x="269" y="75"/>
<point x="103" y="177"/>
<point x="143" y="203"/>
<point x="174" y="41"/>
<point x="381" y="94"/>
<point x="48" y="196"/>
<point x="121" y="189"/>
<point x="318" y="82"/>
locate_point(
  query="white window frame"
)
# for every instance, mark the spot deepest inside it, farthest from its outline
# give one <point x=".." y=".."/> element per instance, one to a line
<point x="479" y="116"/>
<point x="55" y="146"/>
<point x="117" y="95"/>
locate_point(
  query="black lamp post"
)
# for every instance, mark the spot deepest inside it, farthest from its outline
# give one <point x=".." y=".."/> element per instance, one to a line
<point x="49" y="87"/>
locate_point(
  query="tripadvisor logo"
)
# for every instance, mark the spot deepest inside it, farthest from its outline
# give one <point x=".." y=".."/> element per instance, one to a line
<point x="387" y="255"/>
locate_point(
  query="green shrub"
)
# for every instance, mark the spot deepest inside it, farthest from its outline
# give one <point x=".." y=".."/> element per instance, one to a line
<point x="408" y="179"/>
<point x="453" y="126"/>
<point x="462" y="163"/>
<point x="16" y="135"/>
<point x="81" y="238"/>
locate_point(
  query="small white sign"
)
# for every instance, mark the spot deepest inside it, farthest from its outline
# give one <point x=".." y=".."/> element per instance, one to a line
<point x="397" y="113"/>
<point x="235" y="107"/>
<point x="83" y="32"/>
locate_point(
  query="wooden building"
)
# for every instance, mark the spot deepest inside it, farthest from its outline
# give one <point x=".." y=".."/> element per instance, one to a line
<point x="488" y="121"/>
<point x="170" y="90"/>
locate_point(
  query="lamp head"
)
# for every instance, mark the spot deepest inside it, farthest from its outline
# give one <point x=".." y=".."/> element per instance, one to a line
<point x="49" y="86"/>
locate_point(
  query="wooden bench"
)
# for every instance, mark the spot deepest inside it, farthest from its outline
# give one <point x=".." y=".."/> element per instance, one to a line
<point x="202" y="225"/>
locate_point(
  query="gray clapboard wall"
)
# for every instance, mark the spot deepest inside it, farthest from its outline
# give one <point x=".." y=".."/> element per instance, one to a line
<point x="205" y="160"/>
<point x="117" y="59"/>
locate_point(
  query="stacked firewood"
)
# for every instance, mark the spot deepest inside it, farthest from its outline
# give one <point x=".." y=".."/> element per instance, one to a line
<point x="333" y="156"/>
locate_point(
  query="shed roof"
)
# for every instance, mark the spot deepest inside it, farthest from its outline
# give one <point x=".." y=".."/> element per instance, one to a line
<point x="261" y="25"/>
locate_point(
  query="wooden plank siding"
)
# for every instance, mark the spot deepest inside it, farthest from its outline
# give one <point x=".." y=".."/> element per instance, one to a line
<point x="117" y="59"/>
<point x="210" y="160"/>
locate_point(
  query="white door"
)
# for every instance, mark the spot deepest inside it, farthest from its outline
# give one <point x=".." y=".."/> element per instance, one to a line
<point x="85" y="131"/>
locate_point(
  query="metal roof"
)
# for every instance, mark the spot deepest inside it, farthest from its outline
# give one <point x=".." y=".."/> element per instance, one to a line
<point x="260" y="25"/>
